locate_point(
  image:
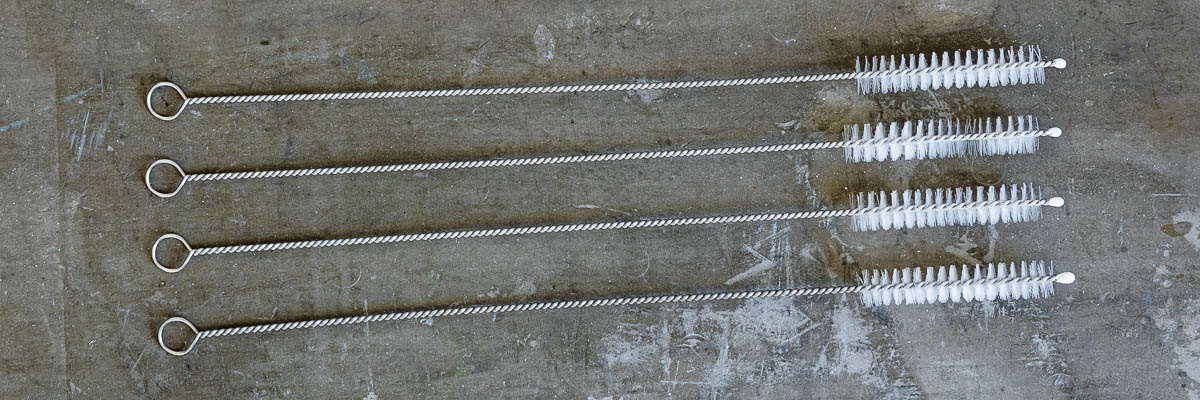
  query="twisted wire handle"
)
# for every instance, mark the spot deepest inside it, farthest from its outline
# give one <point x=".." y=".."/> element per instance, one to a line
<point x="396" y="94"/>
<point x="530" y="161"/>
<point x="1065" y="277"/>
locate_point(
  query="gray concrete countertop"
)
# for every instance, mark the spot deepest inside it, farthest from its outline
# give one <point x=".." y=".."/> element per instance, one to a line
<point x="80" y="301"/>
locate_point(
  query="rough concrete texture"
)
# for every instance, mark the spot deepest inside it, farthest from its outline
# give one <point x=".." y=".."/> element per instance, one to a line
<point x="79" y="300"/>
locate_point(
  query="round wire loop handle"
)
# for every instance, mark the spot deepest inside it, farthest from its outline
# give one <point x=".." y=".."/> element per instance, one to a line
<point x="186" y="259"/>
<point x="183" y="178"/>
<point x="580" y="227"/>
<point x="1062" y="278"/>
<point x="192" y="344"/>
<point x="172" y="86"/>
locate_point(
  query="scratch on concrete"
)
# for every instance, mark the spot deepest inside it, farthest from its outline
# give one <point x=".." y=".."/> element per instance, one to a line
<point x="737" y="335"/>
<point x="474" y="65"/>
<point x="1046" y="355"/>
<point x="664" y="343"/>
<point x="963" y="248"/>
<point x="84" y="141"/>
<point x="764" y="264"/>
<point x="67" y="99"/>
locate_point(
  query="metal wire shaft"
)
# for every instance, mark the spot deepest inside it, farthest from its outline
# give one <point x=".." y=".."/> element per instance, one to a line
<point x="1065" y="277"/>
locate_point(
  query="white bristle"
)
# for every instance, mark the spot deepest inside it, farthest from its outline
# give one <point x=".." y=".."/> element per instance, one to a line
<point x="965" y="68"/>
<point x="954" y="206"/>
<point x="930" y="139"/>
<point x="994" y="281"/>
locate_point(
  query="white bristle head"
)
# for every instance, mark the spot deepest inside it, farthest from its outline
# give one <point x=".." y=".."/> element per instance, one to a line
<point x="960" y="283"/>
<point x="926" y="139"/>
<point x="951" y="210"/>
<point x="966" y="68"/>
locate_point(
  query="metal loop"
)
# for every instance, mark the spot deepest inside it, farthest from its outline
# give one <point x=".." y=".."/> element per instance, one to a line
<point x="154" y="253"/>
<point x="150" y="94"/>
<point x="182" y="178"/>
<point x="162" y="343"/>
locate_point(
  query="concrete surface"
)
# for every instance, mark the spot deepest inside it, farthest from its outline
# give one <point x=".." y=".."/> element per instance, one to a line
<point x="79" y="300"/>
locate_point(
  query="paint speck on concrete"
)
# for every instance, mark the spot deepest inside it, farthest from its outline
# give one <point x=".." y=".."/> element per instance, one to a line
<point x="1160" y="276"/>
<point x="543" y="40"/>
<point x="852" y="350"/>
<point x="620" y="353"/>
<point x="776" y="321"/>
<point x="646" y="96"/>
<point x="365" y="74"/>
<point x="1180" y="327"/>
<point x="524" y="289"/>
<point x="761" y="322"/>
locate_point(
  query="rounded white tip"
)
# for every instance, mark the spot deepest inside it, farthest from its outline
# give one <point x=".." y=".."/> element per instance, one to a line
<point x="1054" y="132"/>
<point x="1060" y="63"/>
<point x="1065" y="278"/>
<point x="1056" y="202"/>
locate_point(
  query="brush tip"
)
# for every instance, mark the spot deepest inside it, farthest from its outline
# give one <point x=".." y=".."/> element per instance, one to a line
<point x="1060" y="63"/>
<point x="1065" y="278"/>
<point x="1054" y="132"/>
<point x="1056" y="202"/>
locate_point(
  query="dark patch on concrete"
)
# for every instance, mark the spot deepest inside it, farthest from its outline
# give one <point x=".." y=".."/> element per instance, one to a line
<point x="835" y="189"/>
<point x="957" y="173"/>
<point x="831" y="117"/>
<point x="846" y="50"/>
